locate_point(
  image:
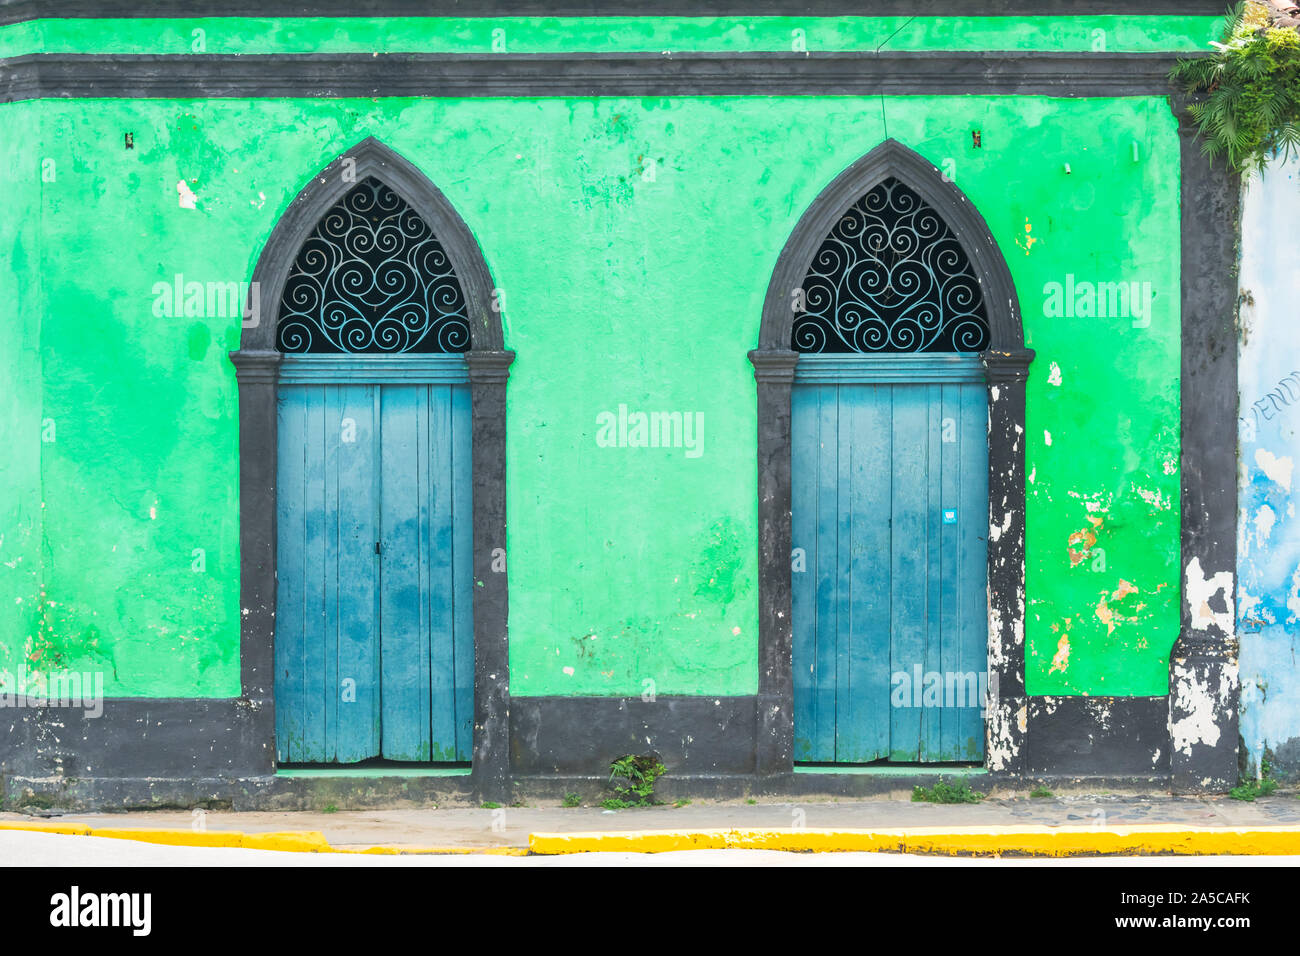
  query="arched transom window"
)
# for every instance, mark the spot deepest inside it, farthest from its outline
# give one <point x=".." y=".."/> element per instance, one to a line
<point x="890" y="277"/>
<point x="372" y="277"/>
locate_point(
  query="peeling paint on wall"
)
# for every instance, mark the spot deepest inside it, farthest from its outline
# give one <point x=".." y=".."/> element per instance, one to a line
<point x="1103" y="443"/>
<point x="1209" y="598"/>
<point x="1268" y="529"/>
<point x="1198" y="700"/>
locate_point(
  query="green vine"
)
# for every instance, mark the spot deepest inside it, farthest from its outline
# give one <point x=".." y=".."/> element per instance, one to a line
<point x="1248" y="109"/>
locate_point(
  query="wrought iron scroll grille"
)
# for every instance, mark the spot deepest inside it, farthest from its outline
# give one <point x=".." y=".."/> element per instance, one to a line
<point x="890" y="277"/>
<point x="372" y="278"/>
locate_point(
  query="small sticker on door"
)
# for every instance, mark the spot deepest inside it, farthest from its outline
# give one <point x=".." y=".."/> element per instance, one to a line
<point x="950" y="516"/>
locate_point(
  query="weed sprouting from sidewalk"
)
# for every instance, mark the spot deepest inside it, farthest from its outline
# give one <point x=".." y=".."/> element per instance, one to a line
<point x="632" y="778"/>
<point x="1041" y="791"/>
<point x="946" y="793"/>
<point x="572" y="800"/>
<point x="1248" y="788"/>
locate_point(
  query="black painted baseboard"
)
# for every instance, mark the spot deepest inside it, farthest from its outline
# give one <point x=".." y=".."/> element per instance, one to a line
<point x="187" y="747"/>
<point x="181" y="738"/>
<point x="582" y="735"/>
<point x="1091" y="736"/>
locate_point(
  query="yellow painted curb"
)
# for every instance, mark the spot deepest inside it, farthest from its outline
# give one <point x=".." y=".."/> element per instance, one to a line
<point x="227" y="838"/>
<point x="1039" y="841"/>
<point x="291" y="841"/>
<point x="440" y="850"/>
<point x="73" y="829"/>
<point x="668" y="841"/>
<point x="950" y="841"/>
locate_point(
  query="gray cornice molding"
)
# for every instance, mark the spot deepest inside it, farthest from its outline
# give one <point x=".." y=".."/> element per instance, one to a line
<point x="1006" y="366"/>
<point x="489" y="367"/>
<point x="256" y="367"/>
<point x="774" y="365"/>
<point x="16" y="11"/>
<point x="856" y="73"/>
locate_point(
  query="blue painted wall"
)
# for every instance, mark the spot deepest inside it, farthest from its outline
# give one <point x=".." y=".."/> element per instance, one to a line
<point x="1268" y="553"/>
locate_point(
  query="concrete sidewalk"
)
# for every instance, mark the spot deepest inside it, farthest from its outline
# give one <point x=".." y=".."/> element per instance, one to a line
<point x="504" y="827"/>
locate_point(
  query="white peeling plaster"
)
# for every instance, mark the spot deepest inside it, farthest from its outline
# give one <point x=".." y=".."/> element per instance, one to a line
<point x="1047" y="437"/>
<point x="1200" y="590"/>
<point x="1002" y="747"/>
<point x="1200" y="702"/>
<point x="1101" y="712"/>
<point x="1247" y="603"/>
<point x="1153" y="498"/>
<point x="1277" y="469"/>
<point x="1054" y="377"/>
<point x="187" y="197"/>
<point x="1265" y="518"/>
<point x="996" y="658"/>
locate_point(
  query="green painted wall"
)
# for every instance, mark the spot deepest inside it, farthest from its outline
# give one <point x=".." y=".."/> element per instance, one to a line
<point x="20" y="386"/>
<point x="610" y="34"/>
<point x="634" y="240"/>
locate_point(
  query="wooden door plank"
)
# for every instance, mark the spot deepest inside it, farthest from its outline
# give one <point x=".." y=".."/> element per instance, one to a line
<point x="290" y="621"/>
<point x="826" y="625"/>
<point x="862" y="730"/>
<point x="462" y="585"/>
<point x="318" y="643"/>
<point x="931" y="743"/>
<point x="909" y="559"/>
<point x="437" y="517"/>
<point x="356" y="683"/>
<point x="846" y="744"/>
<point x="404" y="663"/>
<point x="972" y="561"/>
<point x="327" y="679"/>
<point x="945" y="656"/>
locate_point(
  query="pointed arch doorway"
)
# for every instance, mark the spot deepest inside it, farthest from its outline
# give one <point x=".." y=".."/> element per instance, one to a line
<point x="890" y="377"/>
<point x="374" y="648"/>
<point x="371" y="381"/>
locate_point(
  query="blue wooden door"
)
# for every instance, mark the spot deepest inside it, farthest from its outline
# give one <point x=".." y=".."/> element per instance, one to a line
<point x="890" y="516"/>
<point x="374" y="649"/>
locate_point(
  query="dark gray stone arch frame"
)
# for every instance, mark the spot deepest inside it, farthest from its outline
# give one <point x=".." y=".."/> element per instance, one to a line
<point x="1006" y="364"/>
<point x="257" y="373"/>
